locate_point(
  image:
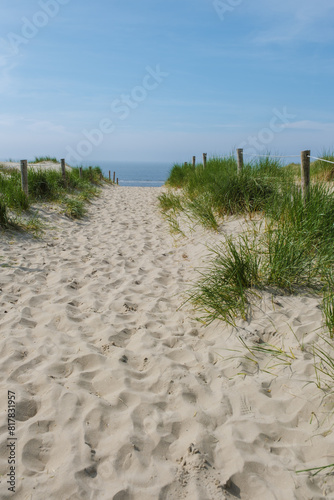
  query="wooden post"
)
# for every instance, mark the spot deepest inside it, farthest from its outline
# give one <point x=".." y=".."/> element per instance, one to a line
<point x="194" y="161"/>
<point x="109" y="175"/>
<point x="204" y="160"/>
<point x="63" y="170"/>
<point x="24" y="176"/>
<point x="80" y="172"/>
<point x="240" y="160"/>
<point x="185" y="163"/>
<point x="305" y="171"/>
<point x="113" y="179"/>
<point x="117" y="181"/>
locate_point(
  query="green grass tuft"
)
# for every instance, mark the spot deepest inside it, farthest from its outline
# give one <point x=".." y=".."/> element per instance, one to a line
<point x="74" y="208"/>
<point x="46" y="186"/>
<point x="39" y="159"/>
<point x="3" y="215"/>
<point x="225" y="288"/>
<point x="170" y="201"/>
<point x="201" y="209"/>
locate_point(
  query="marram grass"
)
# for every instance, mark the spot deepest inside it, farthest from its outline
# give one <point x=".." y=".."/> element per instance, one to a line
<point x="45" y="186"/>
<point x="3" y="215"/>
<point x="39" y="159"/>
<point x="200" y="209"/>
<point x="294" y="252"/>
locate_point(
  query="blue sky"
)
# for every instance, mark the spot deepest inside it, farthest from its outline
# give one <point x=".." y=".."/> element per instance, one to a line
<point x="165" y="79"/>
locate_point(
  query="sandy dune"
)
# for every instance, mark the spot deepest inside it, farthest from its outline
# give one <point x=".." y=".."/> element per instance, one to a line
<point x="121" y="396"/>
<point x="42" y="165"/>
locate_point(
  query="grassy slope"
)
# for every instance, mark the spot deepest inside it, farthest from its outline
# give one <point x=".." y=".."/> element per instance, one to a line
<point x="294" y="249"/>
<point x="46" y="185"/>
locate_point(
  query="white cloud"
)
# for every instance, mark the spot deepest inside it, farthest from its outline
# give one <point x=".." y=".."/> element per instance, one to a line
<point x="311" y="125"/>
<point x="292" y="21"/>
<point x="25" y="138"/>
<point x="45" y="127"/>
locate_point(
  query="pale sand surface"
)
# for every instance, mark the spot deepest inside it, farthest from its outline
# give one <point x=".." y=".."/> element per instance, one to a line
<point x="122" y="396"/>
<point x="43" y="165"/>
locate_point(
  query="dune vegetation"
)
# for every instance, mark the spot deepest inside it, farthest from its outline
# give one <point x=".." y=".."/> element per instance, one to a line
<point x="289" y="250"/>
<point x="45" y="185"/>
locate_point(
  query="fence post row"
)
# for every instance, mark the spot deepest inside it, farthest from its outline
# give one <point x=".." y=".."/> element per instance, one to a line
<point x="240" y="160"/>
<point x="24" y="176"/>
<point x="305" y="171"/>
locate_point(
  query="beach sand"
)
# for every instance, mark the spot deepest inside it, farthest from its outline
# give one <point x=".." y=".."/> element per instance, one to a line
<point x="122" y="395"/>
<point x="42" y="165"/>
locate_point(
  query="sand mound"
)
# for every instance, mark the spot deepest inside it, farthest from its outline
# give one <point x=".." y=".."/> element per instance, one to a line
<point x="42" y="165"/>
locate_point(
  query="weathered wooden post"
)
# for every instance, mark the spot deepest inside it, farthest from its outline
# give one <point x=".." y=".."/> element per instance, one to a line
<point x="194" y="161"/>
<point x="113" y="179"/>
<point x="63" y="170"/>
<point x="305" y="172"/>
<point x="204" y="160"/>
<point x="240" y="160"/>
<point x="80" y="172"/>
<point x="185" y="163"/>
<point x="117" y="181"/>
<point x="24" y="176"/>
<point x="109" y="175"/>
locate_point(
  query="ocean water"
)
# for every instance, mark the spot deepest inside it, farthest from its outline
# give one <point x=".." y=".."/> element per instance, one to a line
<point x="135" y="173"/>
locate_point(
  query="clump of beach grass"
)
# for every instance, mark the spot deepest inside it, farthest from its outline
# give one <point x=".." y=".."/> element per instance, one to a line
<point x="244" y="266"/>
<point x="289" y="260"/>
<point x="3" y="215"/>
<point x="323" y="170"/>
<point x="170" y="201"/>
<point x="170" y="206"/>
<point x="40" y="159"/>
<point x="294" y="250"/>
<point x="74" y="208"/>
<point x="89" y="174"/>
<point x="219" y="189"/>
<point x="12" y="194"/>
<point x="178" y="175"/>
<point x="328" y="302"/>
<point x="201" y="209"/>
<point x="46" y="186"/>
<point x="224" y="289"/>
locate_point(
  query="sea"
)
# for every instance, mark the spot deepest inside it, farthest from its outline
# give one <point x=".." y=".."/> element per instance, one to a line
<point x="134" y="173"/>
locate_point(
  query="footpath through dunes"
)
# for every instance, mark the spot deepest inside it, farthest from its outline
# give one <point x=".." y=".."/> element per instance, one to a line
<point x="120" y="395"/>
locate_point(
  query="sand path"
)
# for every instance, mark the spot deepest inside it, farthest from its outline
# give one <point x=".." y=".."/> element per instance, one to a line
<point x="121" y="396"/>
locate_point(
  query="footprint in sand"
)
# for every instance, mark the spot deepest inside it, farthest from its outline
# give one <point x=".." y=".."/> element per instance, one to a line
<point x="35" y="453"/>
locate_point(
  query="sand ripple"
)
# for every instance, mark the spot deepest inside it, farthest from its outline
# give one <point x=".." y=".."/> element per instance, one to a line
<point x="122" y="396"/>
